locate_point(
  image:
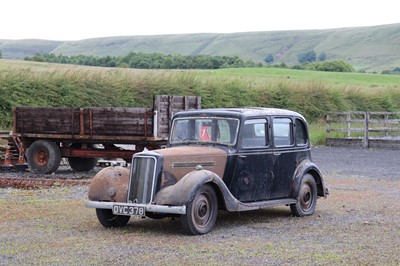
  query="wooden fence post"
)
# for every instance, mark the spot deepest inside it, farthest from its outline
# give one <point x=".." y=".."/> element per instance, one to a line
<point x="366" y="130"/>
<point x="348" y="120"/>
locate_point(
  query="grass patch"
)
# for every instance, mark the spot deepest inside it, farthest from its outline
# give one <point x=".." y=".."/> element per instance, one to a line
<point x="317" y="133"/>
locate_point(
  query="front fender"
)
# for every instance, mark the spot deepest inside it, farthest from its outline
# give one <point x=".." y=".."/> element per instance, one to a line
<point x="307" y="166"/>
<point x="185" y="190"/>
<point x="110" y="184"/>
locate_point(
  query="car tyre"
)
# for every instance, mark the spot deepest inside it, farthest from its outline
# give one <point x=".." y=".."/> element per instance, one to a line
<point x="108" y="219"/>
<point x="201" y="212"/>
<point x="306" y="198"/>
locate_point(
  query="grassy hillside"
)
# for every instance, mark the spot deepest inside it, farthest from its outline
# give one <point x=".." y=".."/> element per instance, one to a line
<point x="18" y="49"/>
<point x="367" y="48"/>
<point x="311" y="93"/>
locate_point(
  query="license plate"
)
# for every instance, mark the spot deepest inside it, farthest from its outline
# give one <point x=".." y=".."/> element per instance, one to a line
<point x="128" y="210"/>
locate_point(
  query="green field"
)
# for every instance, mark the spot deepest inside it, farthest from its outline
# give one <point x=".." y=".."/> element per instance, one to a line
<point x="332" y="79"/>
<point x="308" y="92"/>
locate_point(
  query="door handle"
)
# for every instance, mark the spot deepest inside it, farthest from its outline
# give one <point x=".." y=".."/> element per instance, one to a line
<point x="277" y="153"/>
<point x="242" y="156"/>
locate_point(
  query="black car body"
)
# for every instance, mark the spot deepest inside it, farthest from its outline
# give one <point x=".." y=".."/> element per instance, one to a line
<point x="235" y="159"/>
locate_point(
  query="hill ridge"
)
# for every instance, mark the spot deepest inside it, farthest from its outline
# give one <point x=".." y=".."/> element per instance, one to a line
<point x="369" y="48"/>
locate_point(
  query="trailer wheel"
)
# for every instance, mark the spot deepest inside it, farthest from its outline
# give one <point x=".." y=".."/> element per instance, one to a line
<point x="82" y="164"/>
<point x="43" y="156"/>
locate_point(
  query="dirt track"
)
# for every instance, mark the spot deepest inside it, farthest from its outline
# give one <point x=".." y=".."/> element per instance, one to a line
<point x="359" y="223"/>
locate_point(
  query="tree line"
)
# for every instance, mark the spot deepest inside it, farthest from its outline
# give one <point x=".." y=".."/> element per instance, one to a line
<point x="148" y="61"/>
<point x="162" y="61"/>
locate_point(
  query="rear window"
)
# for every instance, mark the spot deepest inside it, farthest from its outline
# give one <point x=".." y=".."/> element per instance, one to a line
<point x="301" y="133"/>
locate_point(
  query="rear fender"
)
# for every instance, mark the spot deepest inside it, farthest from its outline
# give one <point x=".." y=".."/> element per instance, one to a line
<point x="308" y="167"/>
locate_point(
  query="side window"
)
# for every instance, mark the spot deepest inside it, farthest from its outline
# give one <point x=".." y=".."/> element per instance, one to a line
<point x="255" y="133"/>
<point x="301" y="133"/>
<point x="224" y="131"/>
<point x="282" y="130"/>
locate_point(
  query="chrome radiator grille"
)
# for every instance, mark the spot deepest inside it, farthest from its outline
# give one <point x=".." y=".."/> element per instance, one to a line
<point x="141" y="186"/>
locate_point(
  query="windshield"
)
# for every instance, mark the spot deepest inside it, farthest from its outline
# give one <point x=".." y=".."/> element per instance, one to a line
<point x="204" y="130"/>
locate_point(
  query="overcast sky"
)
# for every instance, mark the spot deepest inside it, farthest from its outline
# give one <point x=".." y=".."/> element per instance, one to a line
<point x="82" y="19"/>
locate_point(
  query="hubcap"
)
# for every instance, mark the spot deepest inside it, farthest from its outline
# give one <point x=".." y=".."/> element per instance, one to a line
<point x="306" y="197"/>
<point x="202" y="211"/>
<point x="41" y="157"/>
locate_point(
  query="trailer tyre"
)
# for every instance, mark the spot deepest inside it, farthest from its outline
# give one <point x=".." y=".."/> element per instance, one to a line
<point x="82" y="164"/>
<point x="43" y="156"/>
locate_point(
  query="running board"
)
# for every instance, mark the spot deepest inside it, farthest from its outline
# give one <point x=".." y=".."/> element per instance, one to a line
<point x="248" y="206"/>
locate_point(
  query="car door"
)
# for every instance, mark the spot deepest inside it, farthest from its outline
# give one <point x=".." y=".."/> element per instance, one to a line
<point x="283" y="159"/>
<point x="252" y="178"/>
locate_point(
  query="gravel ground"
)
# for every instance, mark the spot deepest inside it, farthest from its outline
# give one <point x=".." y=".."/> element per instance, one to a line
<point x="373" y="164"/>
<point x="340" y="162"/>
<point x="358" y="224"/>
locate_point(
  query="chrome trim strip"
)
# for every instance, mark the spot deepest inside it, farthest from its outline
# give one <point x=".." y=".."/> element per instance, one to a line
<point x="271" y="151"/>
<point x="148" y="207"/>
<point x="192" y="164"/>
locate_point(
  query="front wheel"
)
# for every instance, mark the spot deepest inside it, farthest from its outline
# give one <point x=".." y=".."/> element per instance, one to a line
<point x="108" y="219"/>
<point x="307" y="197"/>
<point x="201" y="213"/>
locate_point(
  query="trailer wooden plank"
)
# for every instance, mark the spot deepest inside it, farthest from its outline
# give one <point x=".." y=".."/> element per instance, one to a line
<point x="96" y="123"/>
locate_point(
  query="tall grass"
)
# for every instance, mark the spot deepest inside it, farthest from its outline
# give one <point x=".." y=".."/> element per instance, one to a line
<point x="72" y="86"/>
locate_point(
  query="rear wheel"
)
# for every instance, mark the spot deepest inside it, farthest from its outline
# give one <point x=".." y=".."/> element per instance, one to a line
<point x="81" y="163"/>
<point x="43" y="156"/>
<point x="201" y="213"/>
<point x="108" y="219"/>
<point x="307" y="197"/>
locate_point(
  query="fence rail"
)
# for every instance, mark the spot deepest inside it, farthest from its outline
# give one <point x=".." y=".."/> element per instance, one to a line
<point x="363" y="129"/>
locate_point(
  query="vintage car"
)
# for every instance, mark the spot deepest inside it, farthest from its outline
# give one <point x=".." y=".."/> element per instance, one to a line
<point x="234" y="159"/>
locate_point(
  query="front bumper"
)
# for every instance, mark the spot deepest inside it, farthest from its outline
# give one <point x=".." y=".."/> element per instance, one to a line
<point x="148" y="207"/>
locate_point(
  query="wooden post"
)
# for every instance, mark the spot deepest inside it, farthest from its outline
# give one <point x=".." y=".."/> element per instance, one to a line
<point x="348" y="119"/>
<point x="328" y="126"/>
<point x="386" y="124"/>
<point x="81" y="122"/>
<point x="366" y="130"/>
<point x="198" y="102"/>
<point x="15" y="121"/>
<point x="186" y="103"/>
<point x="170" y="111"/>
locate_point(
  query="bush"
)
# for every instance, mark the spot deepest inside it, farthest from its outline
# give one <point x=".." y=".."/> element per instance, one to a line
<point x="395" y="71"/>
<point x="269" y="59"/>
<point x="331" y="66"/>
<point x="309" y="56"/>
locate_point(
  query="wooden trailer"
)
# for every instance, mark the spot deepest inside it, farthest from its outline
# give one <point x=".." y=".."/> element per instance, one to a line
<point x="84" y="134"/>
